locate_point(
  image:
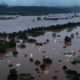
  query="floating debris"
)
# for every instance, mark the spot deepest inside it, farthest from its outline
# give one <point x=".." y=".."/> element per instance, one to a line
<point x="10" y="65"/>
<point x="18" y="64"/>
<point x="54" y="48"/>
<point x="56" y="71"/>
<point x="60" y="60"/>
<point x="43" y="51"/>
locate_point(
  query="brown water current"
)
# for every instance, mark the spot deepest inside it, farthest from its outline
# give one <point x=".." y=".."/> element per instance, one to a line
<point x="54" y="50"/>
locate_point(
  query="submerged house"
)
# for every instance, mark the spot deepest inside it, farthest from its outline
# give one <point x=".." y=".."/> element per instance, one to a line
<point x="70" y="76"/>
<point x="69" y="54"/>
<point x="24" y="76"/>
<point x="77" y="59"/>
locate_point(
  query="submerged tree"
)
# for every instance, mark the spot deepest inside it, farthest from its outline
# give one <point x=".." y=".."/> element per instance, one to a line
<point x="67" y="39"/>
<point x="12" y="75"/>
<point x="12" y="43"/>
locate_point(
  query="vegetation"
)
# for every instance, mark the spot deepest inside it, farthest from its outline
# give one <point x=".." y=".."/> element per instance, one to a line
<point x="47" y="40"/>
<point x="4" y="18"/>
<point x="58" y="35"/>
<point x="47" y="60"/>
<point x="10" y="65"/>
<point x="31" y="40"/>
<point x="73" y="62"/>
<point x="39" y="44"/>
<point x="64" y="67"/>
<point x="44" y="43"/>
<point x="37" y="62"/>
<point x="71" y="72"/>
<point x="43" y="66"/>
<point x="12" y="75"/>
<point x="60" y="60"/>
<point x="30" y="10"/>
<point x="15" y="52"/>
<point x="72" y="35"/>
<point x="4" y="44"/>
<point x="31" y="78"/>
<point x="25" y="55"/>
<point x="77" y="76"/>
<point x="22" y="46"/>
<point x="38" y="18"/>
<point x="2" y="50"/>
<point x="37" y="69"/>
<point x="77" y="33"/>
<point x="55" y="77"/>
<point x="34" y="32"/>
<point x="12" y="43"/>
<point x="21" y="35"/>
<point x="67" y="39"/>
<point x="31" y="59"/>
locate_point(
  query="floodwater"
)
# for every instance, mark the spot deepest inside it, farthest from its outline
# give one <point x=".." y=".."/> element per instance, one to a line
<point x="25" y="22"/>
<point x="54" y="50"/>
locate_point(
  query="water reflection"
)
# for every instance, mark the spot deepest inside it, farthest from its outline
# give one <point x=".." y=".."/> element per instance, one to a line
<point x="11" y="49"/>
<point x="2" y="54"/>
<point x="54" y="48"/>
<point x="31" y="54"/>
<point x="15" y="55"/>
<point x="46" y="72"/>
<point x="68" y="60"/>
<point x="55" y="41"/>
<point x="67" y="44"/>
<point x="69" y="29"/>
<point x="8" y="61"/>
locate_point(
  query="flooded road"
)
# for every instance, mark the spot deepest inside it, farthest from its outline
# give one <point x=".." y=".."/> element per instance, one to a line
<point x="53" y="49"/>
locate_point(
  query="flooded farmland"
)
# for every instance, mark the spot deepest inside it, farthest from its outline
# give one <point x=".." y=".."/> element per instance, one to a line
<point x="53" y="49"/>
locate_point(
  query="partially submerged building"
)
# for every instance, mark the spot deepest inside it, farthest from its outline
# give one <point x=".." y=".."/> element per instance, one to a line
<point x="24" y="76"/>
<point x="69" y="54"/>
<point x="77" y="59"/>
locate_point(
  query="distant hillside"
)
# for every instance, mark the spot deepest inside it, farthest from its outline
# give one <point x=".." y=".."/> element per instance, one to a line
<point x="31" y="10"/>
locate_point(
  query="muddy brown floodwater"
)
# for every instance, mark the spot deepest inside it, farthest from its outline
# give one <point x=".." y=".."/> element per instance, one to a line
<point x="54" y="50"/>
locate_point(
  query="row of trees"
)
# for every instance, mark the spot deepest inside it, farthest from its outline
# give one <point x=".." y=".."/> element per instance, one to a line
<point x="4" y="45"/>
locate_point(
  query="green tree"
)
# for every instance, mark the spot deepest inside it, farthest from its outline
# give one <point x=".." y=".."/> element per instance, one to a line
<point x="12" y="43"/>
<point x="12" y="75"/>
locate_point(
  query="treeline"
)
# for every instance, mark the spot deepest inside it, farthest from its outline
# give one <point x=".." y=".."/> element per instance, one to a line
<point x="34" y="32"/>
<point x="37" y="31"/>
<point x="30" y="10"/>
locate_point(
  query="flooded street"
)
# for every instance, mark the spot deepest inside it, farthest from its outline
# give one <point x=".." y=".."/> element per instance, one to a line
<point x="53" y="49"/>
